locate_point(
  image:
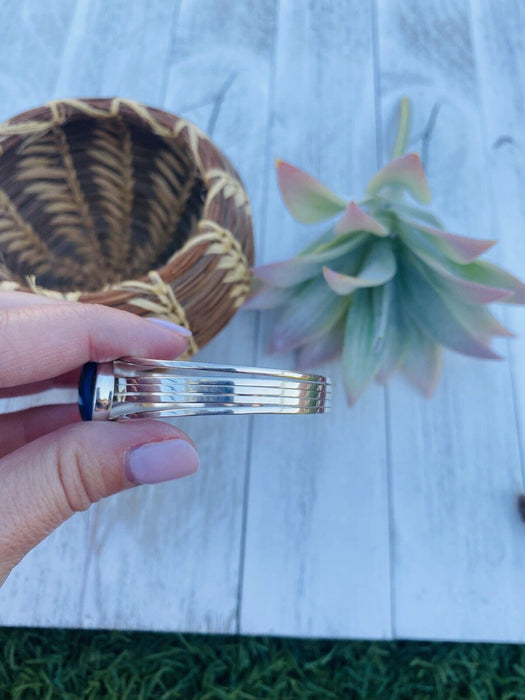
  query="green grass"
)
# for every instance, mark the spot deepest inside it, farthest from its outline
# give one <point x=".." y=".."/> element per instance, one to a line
<point x="67" y="665"/>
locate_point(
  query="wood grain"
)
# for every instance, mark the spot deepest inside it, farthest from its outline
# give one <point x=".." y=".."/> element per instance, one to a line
<point x="499" y="49"/>
<point x="48" y="587"/>
<point x="33" y="36"/>
<point x="45" y="589"/>
<point x="118" y="49"/>
<point x="397" y="517"/>
<point x="182" y="540"/>
<point x="456" y="538"/>
<point x="316" y="556"/>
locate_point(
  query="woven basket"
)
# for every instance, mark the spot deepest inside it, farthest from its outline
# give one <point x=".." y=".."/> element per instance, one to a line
<point x="112" y="202"/>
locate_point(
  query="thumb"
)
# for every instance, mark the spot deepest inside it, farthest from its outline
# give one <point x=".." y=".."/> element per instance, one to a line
<point x="46" y="481"/>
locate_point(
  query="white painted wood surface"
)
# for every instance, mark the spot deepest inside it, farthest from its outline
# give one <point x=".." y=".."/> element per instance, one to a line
<point x="458" y="545"/>
<point x="396" y="518"/>
<point x="317" y="556"/>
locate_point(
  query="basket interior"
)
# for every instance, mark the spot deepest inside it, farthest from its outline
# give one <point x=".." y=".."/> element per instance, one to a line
<point x="94" y="202"/>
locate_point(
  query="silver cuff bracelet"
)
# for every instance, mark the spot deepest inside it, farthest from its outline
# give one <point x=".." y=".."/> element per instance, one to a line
<point x="140" y="388"/>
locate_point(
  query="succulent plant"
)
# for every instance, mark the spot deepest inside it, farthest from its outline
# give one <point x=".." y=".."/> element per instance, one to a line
<point x="385" y="285"/>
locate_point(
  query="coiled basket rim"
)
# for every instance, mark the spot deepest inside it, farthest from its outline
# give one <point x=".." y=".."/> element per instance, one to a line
<point x="221" y="245"/>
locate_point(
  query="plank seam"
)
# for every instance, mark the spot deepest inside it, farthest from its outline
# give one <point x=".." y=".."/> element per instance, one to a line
<point x="377" y="86"/>
<point x="510" y="355"/>
<point x="77" y="18"/>
<point x="257" y="329"/>
<point x="386" y="394"/>
<point x="245" y="497"/>
<point x="390" y="497"/>
<point x="166" y="69"/>
<point x="92" y="525"/>
<point x="94" y="520"/>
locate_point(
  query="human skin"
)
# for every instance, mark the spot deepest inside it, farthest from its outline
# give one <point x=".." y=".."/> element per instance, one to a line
<point x="51" y="464"/>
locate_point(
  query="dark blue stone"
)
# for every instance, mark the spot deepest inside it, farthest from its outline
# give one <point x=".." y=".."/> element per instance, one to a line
<point x="86" y="390"/>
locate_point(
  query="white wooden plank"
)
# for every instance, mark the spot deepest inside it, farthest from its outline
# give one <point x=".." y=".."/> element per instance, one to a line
<point x="182" y="541"/>
<point x="501" y="65"/>
<point x="317" y="539"/>
<point x="32" y="36"/>
<point x="102" y="52"/>
<point x="458" y="566"/>
<point x="316" y="559"/>
<point x="117" y="48"/>
<point x="45" y="588"/>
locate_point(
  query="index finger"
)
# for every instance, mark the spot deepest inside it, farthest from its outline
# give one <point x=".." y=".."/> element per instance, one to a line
<point x="16" y="299"/>
<point x="41" y="342"/>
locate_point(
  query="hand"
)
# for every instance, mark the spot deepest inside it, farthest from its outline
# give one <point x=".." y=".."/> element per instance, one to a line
<point x="51" y="464"/>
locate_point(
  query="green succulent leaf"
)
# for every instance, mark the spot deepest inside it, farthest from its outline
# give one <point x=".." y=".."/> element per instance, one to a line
<point x="386" y="285"/>
<point x="318" y="243"/>
<point x="476" y="318"/>
<point x="307" y="199"/>
<point x="403" y="129"/>
<point x="430" y="311"/>
<point x="360" y="359"/>
<point x="458" y="249"/>
<point x="264" y="297"/>
<point x="355" y="219"/>
<point x="393" y="351"/>
<point x="288" y="273"/>
<point x="470" y="292"/>
<point x="405" y="172"/>
<point x="421" y="363"/>
<point x="379" y="266"/>
<point x="339" y="246"/>
<point x="409" y="213"/>
<point x="313" y="311"/>
<point x="478" y="281"/>
<point x="473" y="316"/>
<point x="393" y="325"/>
<point x="486" y="273"/>
<point x="382" y="301"/>
<point x="482" y="321"/>
<point x="324" y="349"/>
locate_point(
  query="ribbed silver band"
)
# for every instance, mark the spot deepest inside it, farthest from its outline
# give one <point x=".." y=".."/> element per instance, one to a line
<point x="136" y="387"/>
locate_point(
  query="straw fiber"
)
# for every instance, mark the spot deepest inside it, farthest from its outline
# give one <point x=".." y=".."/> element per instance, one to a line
<point x="109" y="201"/>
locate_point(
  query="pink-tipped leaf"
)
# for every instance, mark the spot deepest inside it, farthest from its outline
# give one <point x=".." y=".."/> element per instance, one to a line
<point x="421" y="363"/>
<point x="429" y="310"/>
<point x="324" y="349"/>
<point x="360" y="359"/>
<point x="393" y="351"/>
<point x="486" y="273"/>
<point x="460" y="249"/>
<point x="405" y="172"/>
<point x="477" y="319"/>
<point x="287" y="273"/>
<point x="263" y="297"/>
<point x="485" y="323"/>
<point x="312" y="313"/>
<point x="478" y="281"/>
<point x="474" y="317"/>
<point x="378" y="267"/>
<point x="393" y="344"/>
<point x="355" y="219"/>
<point x="307" y="199"/>
<point x="470" y="292"/>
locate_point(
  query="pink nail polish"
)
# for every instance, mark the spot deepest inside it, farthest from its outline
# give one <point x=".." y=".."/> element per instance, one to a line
<point x="161" y="461"/>
<point x="181" y="330"/>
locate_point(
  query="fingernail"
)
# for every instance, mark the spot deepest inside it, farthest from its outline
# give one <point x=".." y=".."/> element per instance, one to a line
<point x="161" y="461"/>
<point x="172" y="326"/>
